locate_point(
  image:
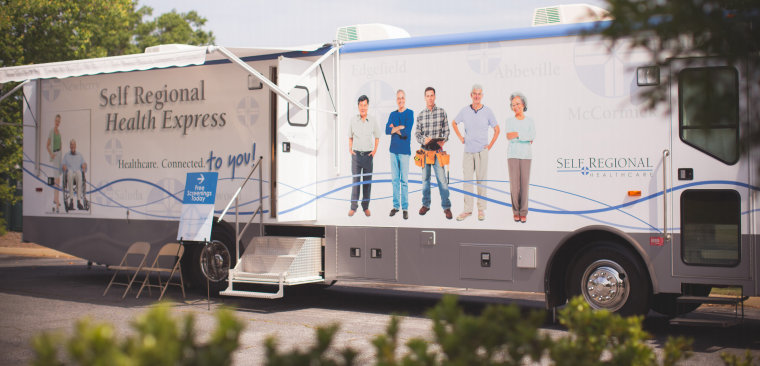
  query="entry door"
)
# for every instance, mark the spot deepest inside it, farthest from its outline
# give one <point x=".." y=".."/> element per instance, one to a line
<point x="710" y="195"/>
<point x="296" y="143"/>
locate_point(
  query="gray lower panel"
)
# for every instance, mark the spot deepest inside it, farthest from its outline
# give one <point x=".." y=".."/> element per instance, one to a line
<point x="439" y="257"/>
<point x="486" y="262"/>
<point x="366" y="253"/>
<point x="451" y="258"/>
<point x="351" y="253"/>
<point x="99" y="240"/>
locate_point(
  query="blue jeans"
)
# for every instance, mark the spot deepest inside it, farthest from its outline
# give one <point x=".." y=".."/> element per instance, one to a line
<point x="399" y="177"/>
<point x="361" y="163"/>
<point x="443" y="185"/>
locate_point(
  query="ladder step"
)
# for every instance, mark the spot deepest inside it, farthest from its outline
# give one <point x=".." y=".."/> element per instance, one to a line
<point x="252" y="294"/>
<point x="711" y="300"/>
<point x="266" y="263"/>
<point x="724" y="323"/>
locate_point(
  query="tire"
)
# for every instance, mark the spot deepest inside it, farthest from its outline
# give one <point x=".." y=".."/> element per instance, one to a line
<point x="610" y="277"/>
<point x="65" y="191"/>
<point x="666" y="304"/>
<point x="214" y="258"/>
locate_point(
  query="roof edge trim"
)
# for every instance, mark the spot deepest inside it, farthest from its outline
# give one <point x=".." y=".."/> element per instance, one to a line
<point x="473" y="37"/>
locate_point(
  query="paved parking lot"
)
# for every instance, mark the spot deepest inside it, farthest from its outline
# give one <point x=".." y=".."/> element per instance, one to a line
<point x="49" y="294"/>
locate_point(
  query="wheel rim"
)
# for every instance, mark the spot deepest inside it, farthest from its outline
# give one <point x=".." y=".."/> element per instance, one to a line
<point x="215" y="261"/>
<point x="605" y="285"/>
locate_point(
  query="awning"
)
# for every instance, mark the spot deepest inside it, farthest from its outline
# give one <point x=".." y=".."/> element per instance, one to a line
<point x="154" y="57"/>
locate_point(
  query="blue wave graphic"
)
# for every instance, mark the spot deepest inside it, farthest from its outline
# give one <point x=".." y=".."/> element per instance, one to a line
<point x="491" y="186"/>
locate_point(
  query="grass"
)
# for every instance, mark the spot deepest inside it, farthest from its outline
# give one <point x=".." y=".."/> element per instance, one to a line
<point x="726" y="291"/>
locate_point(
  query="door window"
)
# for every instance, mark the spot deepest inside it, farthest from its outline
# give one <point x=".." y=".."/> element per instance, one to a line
<point x="710" y="227"/>
<point x="709" y="111"/>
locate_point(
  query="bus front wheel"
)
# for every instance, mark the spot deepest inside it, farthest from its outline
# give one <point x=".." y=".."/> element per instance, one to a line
<point x="611" y="278"/>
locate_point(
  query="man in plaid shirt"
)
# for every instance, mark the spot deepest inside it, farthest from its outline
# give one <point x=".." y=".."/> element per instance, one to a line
<point x="432" y="123"/>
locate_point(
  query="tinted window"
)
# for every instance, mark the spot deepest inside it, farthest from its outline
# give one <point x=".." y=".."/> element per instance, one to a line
<point x="710" y="227"/>
<point x="709" y="111"/>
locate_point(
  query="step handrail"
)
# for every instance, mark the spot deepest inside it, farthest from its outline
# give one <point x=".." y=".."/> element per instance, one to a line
<point x="259" y="211"/>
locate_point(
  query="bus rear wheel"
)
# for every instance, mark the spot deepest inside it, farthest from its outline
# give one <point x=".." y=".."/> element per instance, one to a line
<point x="610" y="278"/>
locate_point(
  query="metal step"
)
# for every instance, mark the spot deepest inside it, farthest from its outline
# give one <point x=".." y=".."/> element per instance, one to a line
<point x="277" y="261"/>
<point x="707" y="320"/>
<point x="265" y="263"/>
<point x="268" y="278"/>
<point x="257" y="295"/>
<point x="711" y="319"/>
<point x="724" y="300"/>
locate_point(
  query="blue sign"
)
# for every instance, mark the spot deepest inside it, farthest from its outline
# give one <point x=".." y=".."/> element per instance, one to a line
<point x="198" y="207"/>
<point x="200" y="188"/>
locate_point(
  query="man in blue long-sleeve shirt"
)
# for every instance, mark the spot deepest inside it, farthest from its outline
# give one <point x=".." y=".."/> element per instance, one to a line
<point x="399" y="126"/>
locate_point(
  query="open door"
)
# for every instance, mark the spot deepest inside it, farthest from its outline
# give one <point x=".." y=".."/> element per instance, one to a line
<point x="710" y="196"/>
<point x="296" y="143"/>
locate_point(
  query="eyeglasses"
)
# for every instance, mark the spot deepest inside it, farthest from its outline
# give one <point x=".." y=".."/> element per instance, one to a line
<point x="516" y="104"/>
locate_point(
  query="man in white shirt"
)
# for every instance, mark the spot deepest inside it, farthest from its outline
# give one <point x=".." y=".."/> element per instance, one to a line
<point x="73" y="167"/>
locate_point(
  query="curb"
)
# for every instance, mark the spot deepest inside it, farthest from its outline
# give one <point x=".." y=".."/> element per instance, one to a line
<point x="34" y="252"/>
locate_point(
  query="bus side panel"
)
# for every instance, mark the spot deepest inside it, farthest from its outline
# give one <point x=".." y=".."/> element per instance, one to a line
<point x="139" y="133"/>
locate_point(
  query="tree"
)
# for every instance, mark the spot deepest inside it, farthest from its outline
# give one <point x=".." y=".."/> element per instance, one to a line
<point x="680" y="29"/>
<point x="173" y="27"/>
<point x="39" y="31"/>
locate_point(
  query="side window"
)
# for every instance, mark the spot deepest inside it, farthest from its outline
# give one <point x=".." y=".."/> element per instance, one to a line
<point x="710" y="227"/>
<point x="709" y="111"/>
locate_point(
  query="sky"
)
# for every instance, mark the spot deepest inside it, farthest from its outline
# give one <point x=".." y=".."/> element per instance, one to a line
<point x="261" y="23"/>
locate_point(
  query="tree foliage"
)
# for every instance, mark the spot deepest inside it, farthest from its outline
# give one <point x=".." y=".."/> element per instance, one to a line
<point x="172" y="27"/>
<point x="728" y="30"/>
<point x="679" y="29"/>
<point x="40" y="31"/>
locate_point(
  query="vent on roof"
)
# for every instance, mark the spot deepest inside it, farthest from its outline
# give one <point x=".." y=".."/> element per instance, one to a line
<point x="566" y="14"/>
<point x="347" y="34"/>
<point x="544" y="16"/>
<point x="369" y="32"/>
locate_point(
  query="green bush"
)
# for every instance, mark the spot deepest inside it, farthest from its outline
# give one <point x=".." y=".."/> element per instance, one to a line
<point x="734" y="360"/>
<point x="501" y="335"/>
<point x="159" y="339"/>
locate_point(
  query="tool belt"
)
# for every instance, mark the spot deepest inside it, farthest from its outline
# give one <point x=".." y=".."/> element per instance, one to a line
<point x="423" y="157"/>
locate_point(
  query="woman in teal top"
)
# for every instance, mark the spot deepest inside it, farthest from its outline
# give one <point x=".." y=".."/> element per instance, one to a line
<point x="520" y="133"/>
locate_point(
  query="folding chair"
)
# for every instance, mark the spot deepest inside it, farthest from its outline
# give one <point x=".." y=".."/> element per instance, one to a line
<point x="172" y="253"/>
<point x="138" y="249"/>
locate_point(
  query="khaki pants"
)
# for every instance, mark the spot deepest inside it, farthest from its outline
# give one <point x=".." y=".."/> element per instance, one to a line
<point x="519" y="180"/>
<point x="475" y="163"/>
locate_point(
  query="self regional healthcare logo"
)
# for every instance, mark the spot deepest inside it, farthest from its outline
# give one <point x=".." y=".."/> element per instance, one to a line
<point x="603" y="71"/>
<point x="113" y="151"/>
<point x="484" y="58"/>
<point x="248" y="111"/>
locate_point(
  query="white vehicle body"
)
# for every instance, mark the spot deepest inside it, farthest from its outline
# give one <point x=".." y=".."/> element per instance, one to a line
<point x="606" y="172"/>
